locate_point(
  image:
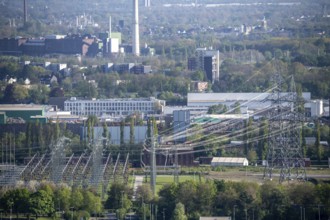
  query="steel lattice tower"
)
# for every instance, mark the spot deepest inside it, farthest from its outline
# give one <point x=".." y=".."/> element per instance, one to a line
<point x="97" y="157"/>
<point x="58" y="160"/>
<point x="285" y="151"/>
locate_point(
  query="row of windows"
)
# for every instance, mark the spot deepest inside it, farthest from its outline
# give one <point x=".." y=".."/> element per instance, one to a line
<point x="111" y="104"/>
<point x="106" y="112"/>
<point x="109" y="108"/>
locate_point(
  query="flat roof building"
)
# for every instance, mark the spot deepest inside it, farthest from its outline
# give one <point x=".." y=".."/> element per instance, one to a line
<point x="25" y="112"/>
<point x="114" y="107"/>
<point x="248" y="101"/>
<point x="229" y="161"/>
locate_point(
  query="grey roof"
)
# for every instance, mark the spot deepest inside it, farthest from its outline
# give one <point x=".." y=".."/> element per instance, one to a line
<point x="228" y="160"/>
<point x="20" y="107"/>
<point x="222" y="97"/>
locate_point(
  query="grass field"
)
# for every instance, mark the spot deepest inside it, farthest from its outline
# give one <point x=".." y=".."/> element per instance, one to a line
<point x="162" y="180"/>
<point x="250" y="174"/>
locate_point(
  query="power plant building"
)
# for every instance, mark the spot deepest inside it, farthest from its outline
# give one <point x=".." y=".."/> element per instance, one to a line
<point x="114" y="107"/>
<point x="251" y="101"/>
<point x="53" y="44"/>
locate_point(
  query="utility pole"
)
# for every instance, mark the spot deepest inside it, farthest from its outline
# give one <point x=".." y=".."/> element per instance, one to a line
<point x="153" y="168"/>
<point x="234" y="212"/>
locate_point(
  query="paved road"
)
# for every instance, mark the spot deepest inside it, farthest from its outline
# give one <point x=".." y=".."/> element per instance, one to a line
<point x="138" y="182"/>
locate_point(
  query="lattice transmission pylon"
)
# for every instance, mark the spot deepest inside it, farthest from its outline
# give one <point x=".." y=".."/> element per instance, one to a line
<point x="285" y="152"/>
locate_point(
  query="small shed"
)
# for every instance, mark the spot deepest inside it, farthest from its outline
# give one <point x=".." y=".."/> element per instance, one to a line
<point x="229" y="161"/>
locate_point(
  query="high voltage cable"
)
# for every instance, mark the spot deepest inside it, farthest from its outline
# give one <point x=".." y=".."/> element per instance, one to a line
<point x="238" y="133"/>
<point x="257" y="72"/>
<point x="222" y="146"/>
<point x="184" y="133"/>
<point x="218" y="139"/>
<point x="210" y="120"/>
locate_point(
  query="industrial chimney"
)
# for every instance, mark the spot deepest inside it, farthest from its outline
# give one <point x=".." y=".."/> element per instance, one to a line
<point x="25" y="11"/>
<point x="147" y="3"/>
<point x="136" y="38"/>
<point x="109" y="27"/>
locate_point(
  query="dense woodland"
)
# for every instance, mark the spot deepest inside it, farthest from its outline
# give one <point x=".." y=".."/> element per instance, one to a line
<point x="186" y="200"/>
<point x="170" y="79"/>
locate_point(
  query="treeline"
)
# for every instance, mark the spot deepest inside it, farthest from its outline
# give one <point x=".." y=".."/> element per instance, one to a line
<point x="41" y="138"/>
<point x="246" y="200"/>
<point x="37" y="138"/>
<point x="185" y="200"/>
<point x="48" y="200"/>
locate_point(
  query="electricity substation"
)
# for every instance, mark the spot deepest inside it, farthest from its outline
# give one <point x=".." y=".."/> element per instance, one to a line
<point x="94" y="168"/>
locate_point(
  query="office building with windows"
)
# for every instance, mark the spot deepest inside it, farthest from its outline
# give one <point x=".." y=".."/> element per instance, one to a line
<point x="114" y="107"/>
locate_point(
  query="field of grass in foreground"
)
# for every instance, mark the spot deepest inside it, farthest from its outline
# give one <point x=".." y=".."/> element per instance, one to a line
<point x="162" y="180"/>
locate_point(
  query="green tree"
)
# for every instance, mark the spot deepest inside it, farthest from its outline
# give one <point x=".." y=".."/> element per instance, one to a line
<point x="41" y="204"/>
<point x="154" y="127"/>
<point x="62" y="197"/>
<point x="41" y="139"/>
<point x="144" y="193"/>
<point x="20" y="93"/>
<point x="248" y="136"/>
<point x="131" y="131"/>
<point x="317" y="144"/>
<point x="187" y="195"/>
<point x="105" y="135"/>
<point x="15" y="199"/>
<point x="15" y="93"/>
<point x="217" y="109"/>
<point x="39" y="94"/>
<point x="122" y="127"/>
<point x="92" y="121"/>
<point x="91" y="202"/>
<point x="236" y="108"/>
<point x="197" y="76"/>
<point x="206" y="192"/>
<point x="77" y="199"/>
<point x="179" y="212"/>
<point x="262" y="143"/>
<point x="275" y="201"/>
<point x="85" y="89"/>
<point x="323" y="192"/>
<point x="118" y="197"/>
<point x="28" y="138"/>
<point x="167" y="198"/>
<point x="57" y="131"/>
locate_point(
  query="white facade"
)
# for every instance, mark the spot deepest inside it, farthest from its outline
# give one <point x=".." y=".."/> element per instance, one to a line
<point x="113" y="45"/>
<point x="114" y="107"/>
<point x="229" y="161"/>
<point x="315" y="108"/>
<point x="140" y="133"/>
<point x="250" y="101"/>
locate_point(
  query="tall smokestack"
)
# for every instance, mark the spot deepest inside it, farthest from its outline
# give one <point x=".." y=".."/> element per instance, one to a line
<point x="25" y="11"/>
<point x="110" y="26"/>
<point x="136" y="38"/>
<point x="147" y="3"/>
